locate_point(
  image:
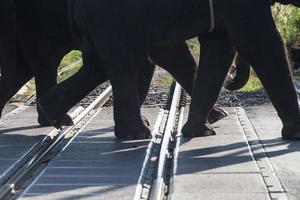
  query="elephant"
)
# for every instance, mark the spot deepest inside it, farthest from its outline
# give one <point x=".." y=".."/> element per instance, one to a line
<point x="42" y="41"/>
<point x="7" y="45"/>
<point x="118" y="36"/>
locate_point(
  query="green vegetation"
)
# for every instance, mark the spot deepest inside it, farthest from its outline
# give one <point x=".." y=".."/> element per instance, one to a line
<point x="287" y="19"/>
<point x="71" y="59"/>
<point x="194" y="46"/>
<point x="166" y="81"/>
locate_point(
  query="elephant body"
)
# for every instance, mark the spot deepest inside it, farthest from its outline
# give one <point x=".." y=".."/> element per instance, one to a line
<point x="117" y="38"/>
<point x="119" y="35"/>
<point x="46" y="32"/>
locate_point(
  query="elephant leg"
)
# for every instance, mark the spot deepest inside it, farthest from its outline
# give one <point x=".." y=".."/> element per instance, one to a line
<point x="8" y="39"/>
<point x="129" y="124"/>
<point x="145" y="75"/>
<point x="44" y="63"/>
<point x="7" y="51"/>
<point x="56" y="103"/>
<point x="209" y="80"/>
<point x="180" y="63"/>
<point x="265" y="51"/>
<point x="45" y="78"/>
<point x="121" y="60"/>
<point x="268" y="58"/>
<point x="12" y="80"/>
<point x="63" y="96"/>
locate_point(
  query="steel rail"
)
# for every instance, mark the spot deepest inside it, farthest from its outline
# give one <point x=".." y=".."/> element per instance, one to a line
<point x="42" y="152"/>
<point x="31" y="153"/>
<point x="159" y="183"/>
<point x="31" y="100"/>
<point x="178" y="141"/>
<point x="156" y="136"/>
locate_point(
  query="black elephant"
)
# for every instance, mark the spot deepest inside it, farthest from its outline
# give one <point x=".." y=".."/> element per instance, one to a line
<point x="7" y="45"/>
<point x="118" y="36"/>
<point x="45" y="35"/>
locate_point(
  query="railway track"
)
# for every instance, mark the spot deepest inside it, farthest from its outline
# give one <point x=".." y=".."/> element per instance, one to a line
<point x="21" y="173"/>
<point x="154" y="175"/>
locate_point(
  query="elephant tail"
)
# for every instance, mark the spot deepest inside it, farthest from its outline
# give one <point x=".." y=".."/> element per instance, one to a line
<point x="238" y="74"/>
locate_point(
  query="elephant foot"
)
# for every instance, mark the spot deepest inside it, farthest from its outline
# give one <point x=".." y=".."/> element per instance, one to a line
<point x="43" y="121"/>
<point x="291" y="131"/>
<point x="197" y="130"/>
<point x="132" y="134"/>
<point x="54" y="119"/>
<point x="216" y="114"/>
<point x="66" y="121"/>
<point x="139" y="136"/>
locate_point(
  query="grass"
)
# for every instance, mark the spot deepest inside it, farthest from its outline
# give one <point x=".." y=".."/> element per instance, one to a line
<point x="68" y="60"/>
<point x="166" y="81"/>
<point x="254" y="84"/>
<point x="194" y="46"/>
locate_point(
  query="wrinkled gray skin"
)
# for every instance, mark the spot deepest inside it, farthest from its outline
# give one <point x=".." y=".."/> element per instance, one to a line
<point x="44" y="37"/>
<point x="119" y="35"/>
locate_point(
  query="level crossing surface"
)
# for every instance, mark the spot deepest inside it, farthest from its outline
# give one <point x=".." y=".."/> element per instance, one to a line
<point x="247" y="159"/>
<point x="218" y="167"/>
<point x="95" y="165"/>
<point x="19" y="131"/>
<point x="8" y="108"/>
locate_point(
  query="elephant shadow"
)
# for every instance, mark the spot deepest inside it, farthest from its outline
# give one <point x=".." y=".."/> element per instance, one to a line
<point x="88" y="141"/>
<point x="217" y="158"/>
